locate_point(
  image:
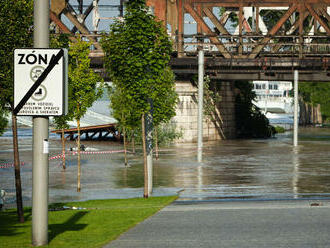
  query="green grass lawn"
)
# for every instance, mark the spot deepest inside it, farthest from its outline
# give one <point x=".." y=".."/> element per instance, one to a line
<point x="94" y="226"/>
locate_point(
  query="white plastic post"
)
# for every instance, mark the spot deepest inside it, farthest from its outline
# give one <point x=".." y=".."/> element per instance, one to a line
<point x="295" y="118"/>
<point x="200" y="105"/>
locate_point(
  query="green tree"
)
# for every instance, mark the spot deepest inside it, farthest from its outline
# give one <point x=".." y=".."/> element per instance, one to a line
<point x="124" y="113"/>
<point x="137" y="52"/>
<point x="317" y="93"/>
<point x="250" y="122"/>
<point x="3" y="120"/>
<point x="84" y="89"/>
<point x="61" y="122"/>
<point x="3" y="116"/>
<point x="165" y="102"/>
<point x="212" y="99"/>
<point x="16" y="27"/>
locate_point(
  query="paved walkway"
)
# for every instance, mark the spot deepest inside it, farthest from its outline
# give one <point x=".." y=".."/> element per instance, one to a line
<point x="234" y="224"/>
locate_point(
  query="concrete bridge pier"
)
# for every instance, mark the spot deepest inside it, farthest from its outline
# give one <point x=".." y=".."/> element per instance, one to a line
<point x="221" y="126"/>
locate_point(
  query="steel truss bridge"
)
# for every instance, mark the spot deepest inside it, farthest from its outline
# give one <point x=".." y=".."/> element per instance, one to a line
<point x="242" y="39"/>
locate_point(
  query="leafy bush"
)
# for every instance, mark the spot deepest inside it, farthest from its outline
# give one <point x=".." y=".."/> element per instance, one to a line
<point x="166" y="134"/>
<point x="279" y="129"/>
<point x="317" y="93"/>
<point x="250" y="122"/>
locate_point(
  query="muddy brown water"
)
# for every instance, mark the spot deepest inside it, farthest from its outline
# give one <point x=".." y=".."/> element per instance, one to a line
<point x="232" y="169"/>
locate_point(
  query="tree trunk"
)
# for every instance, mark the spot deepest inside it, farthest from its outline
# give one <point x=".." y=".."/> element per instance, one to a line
<point x="156" y="143"/>
<point x="145" y="195"/>
<point x="63" y="150"/>
<point x="125" y="146"/>
<point x="78" y="153"/>
<point x="319" y="114"/>
<point x="133" y="143"/>
<point x="302" y="112"/>
<point x="309" y="114"/>
<point x="18" y="182"/>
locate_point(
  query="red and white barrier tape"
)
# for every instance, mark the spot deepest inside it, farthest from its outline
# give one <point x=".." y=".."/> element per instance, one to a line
<point x="84" y="152"/>
<point x="8" y="165"/>
<point x="59" y="156"/>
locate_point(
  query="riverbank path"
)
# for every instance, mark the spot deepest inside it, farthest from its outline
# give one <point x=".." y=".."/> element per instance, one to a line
<point x="253" y="224"/>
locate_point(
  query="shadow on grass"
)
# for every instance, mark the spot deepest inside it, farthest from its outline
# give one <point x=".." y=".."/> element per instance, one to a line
<point x="69" y="225"/>
<point x="9" y="223"/>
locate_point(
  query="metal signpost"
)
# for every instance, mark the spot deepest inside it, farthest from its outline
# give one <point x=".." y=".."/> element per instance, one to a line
<point x="40" y="90"/>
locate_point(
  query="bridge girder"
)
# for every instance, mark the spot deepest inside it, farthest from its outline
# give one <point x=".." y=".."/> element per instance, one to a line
<point x="233" y="31"/>
<point x="247" y="41"/>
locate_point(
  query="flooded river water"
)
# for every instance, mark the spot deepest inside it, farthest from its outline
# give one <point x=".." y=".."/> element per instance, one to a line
<point x="232" y="169"/>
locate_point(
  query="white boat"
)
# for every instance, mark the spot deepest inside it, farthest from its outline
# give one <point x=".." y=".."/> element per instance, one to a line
<point x="274" y="100"/>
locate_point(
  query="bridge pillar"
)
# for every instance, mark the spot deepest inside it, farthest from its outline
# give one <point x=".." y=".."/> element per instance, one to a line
<point x="223" y="124"/>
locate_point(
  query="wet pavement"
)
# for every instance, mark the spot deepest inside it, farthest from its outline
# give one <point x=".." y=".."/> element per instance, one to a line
<point x="244" y="224"/>
<point x="233" y="169"/>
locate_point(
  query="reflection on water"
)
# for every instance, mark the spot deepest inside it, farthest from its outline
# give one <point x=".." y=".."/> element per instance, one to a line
<point x="295" y="176"/>
<point x="231" y="169"/>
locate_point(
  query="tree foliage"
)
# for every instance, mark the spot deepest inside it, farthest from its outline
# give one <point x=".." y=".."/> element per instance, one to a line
<point x="250" y="122"/>
<point x="212" y="99"/>
<point x="3" y="120"/>
<point x="122" y="110"/>
<point x="317" y="93"/>
<point x="166" y="99"/>
<point x="137" y="55"/>
<point x="83" y="90"/>
<point x="16" y="28"/>
<point x="16" y="32"/>
<point x="62" y="41"/>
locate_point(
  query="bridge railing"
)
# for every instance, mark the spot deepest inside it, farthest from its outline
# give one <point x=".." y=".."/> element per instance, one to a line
<point x="278" y="46"/>
<point x="235" y="29"/>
